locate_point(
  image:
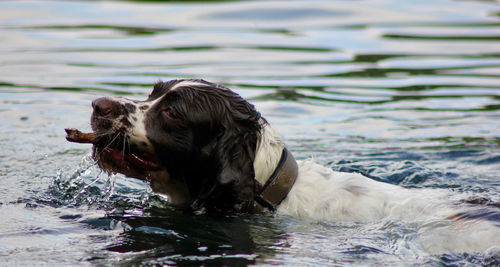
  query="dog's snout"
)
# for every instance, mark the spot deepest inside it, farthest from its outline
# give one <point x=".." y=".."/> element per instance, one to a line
<point x="106" y="107"/>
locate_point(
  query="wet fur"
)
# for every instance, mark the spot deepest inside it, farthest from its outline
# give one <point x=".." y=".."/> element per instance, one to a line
<point x="216" y="151"/>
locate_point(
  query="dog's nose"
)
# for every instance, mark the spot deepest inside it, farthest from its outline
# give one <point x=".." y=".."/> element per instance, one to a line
<point x="105" y="106"/>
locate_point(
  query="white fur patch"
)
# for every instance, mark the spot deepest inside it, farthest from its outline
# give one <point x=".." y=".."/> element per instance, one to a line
<point x="322" y="194"/>
<point x="137" y="133"/>
<point x="187" y="83"/>
<point x="325" y="195"/>
<point x="268" y="153"/>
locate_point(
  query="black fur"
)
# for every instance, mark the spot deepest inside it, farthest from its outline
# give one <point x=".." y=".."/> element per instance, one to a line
<point x="206" y="136"/>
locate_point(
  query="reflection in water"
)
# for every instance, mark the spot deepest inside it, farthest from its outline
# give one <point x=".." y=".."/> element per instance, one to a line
<point x="405" y="92"/>
<point x="172" y="238"/>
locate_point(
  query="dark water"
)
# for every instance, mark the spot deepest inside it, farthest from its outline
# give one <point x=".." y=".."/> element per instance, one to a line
<point x="406" y="92"/>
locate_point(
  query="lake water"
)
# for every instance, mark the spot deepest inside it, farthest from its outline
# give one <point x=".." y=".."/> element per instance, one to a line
<point x="406" y="92"/>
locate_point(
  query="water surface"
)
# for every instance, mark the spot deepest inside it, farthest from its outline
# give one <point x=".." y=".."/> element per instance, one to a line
<point x="406" y="92"/>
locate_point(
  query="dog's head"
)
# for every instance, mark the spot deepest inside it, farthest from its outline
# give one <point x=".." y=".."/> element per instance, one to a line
<point x="191" y="139"/>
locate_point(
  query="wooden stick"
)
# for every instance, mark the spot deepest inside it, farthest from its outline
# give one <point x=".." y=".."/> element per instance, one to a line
<point x="74" y="135"/>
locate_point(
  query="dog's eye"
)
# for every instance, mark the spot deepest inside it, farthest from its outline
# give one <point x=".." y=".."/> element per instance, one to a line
<point x="169" y="112"/>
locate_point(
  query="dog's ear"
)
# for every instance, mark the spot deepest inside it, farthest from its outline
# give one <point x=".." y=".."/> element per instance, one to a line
<point x="233" y="186"/>
<point x="236" y="128"/>
<point x="236" y="151"/>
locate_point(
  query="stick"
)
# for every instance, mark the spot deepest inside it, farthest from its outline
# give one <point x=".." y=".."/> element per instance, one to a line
<point x="74" y="135"/>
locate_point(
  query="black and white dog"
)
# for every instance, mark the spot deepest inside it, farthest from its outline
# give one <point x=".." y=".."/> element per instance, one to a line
<point x="208" y="149"/>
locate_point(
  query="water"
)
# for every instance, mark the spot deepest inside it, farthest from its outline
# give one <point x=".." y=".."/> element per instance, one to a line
<point x="405" y="92"/>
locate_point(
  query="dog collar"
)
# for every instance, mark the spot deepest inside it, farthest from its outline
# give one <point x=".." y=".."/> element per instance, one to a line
<point x="278" y="185"/>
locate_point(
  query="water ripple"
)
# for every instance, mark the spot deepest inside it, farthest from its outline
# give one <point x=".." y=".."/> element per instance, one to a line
<point x="405" y="92"/>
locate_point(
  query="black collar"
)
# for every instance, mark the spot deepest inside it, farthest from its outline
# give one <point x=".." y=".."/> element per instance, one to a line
<point x="278" y="185"/>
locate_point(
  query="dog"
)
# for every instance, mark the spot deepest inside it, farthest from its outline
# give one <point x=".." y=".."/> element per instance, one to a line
<point x="209" y="150"/>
